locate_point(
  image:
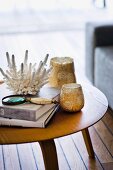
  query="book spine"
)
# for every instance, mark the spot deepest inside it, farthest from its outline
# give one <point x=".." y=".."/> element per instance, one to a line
<point x="44" y="109"/>
<point x="51" y="115"/>
<point x="20" y="123"/>
<point x="17" y="114"/>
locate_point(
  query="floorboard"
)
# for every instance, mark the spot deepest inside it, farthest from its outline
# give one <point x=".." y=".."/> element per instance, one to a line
<point x="105" y="136"/>
<point x="108" y="120"/>
<point x="37" y="156"/>
<point x="62" y="159"/>
<point x="11" y="160"/>
<point x="26" y="157"/>
<point x="71" y="153"/>
<point x="80" y="145"/>
<point x="1" y="158"/>
<point x="99" y="147"/>
<point x="108" y="166"/>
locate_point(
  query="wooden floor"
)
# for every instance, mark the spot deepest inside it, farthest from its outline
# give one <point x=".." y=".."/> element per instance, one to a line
<point x="72" y="154"/>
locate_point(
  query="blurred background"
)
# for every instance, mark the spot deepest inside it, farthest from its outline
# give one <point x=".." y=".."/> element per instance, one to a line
<point x="50" y="15"/>
<point x="56" y="27"/>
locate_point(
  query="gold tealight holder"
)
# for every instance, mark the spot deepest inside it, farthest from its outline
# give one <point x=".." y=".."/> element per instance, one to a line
<point x="71" y="97"/>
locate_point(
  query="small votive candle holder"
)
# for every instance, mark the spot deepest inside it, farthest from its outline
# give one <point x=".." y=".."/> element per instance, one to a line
<point x="71" y="97"/>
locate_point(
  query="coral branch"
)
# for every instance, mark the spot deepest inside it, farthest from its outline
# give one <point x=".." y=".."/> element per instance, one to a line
<point x="28" y="79"/>
<point x="8" y="59"/>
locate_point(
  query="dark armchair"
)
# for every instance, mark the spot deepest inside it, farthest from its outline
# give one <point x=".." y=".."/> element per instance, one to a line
<point x="99" y="57"/>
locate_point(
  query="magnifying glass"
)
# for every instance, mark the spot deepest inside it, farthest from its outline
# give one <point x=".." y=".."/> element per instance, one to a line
<point x="19" y="99"/>
<point x="13" y="100"/>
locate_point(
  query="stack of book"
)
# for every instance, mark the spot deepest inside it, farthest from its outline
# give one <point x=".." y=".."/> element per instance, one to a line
<point x="28" y="114"/>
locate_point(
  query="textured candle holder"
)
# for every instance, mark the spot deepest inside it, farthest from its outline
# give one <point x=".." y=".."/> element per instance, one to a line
<point x="71" y="97"/>
<point x="28" y="79"/>
<point x="62" y="71"/>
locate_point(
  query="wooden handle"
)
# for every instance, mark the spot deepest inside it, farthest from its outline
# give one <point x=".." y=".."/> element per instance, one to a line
<point x="39" y="100"/>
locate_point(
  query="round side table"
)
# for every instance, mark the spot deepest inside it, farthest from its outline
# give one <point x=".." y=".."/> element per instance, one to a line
<point x="62" y="124"/>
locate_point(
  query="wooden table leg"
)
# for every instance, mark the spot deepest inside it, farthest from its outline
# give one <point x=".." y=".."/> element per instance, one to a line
<point x="49" y="154"/>
<point x="88" y="143"/>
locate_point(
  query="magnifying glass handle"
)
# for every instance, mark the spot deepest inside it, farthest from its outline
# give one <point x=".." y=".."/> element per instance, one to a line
<point x="39" y="100"/>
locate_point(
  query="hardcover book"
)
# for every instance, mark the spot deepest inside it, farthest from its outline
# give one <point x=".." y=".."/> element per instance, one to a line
<point x="41" y="122"/>
<point x="29" y="111"/>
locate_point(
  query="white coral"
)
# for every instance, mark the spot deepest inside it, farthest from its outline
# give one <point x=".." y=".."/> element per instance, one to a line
<point x="28" y="79"/>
